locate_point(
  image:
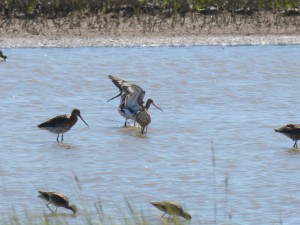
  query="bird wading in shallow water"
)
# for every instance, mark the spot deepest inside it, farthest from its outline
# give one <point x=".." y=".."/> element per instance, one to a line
<point x="131" y="98"/>
<point x="61" y="124"/>
<point x="56" y="199"/>
<point x="172" y="209"/>
<point x="143" y="116"/>
<point x="2" y="57"/>
<point x="292" y="131"/>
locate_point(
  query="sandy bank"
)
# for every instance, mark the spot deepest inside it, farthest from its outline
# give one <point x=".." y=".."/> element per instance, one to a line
<point x="149" y="40"/>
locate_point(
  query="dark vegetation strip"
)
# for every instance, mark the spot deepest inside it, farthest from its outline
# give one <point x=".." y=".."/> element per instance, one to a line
<point x="61" y="8"/>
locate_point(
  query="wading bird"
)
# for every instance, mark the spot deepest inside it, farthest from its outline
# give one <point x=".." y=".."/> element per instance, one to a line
<point x="61" y="124"/>
<point x="2" y="57"/>
<point x="172" y="209"/>
<point x="131" y="98"/>
<point x="56" y="199"/>
<point x="292" y="131"/>
<point x="143" y="116"/>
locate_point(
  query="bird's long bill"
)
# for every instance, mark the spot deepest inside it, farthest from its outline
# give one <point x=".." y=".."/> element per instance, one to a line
<point x="157" y="106"/>
<point x="115" y="97"/>
<point x="83" y="121"/>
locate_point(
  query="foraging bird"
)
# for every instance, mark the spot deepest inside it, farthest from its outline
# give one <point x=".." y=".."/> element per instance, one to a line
<point x="56" y="199"/>
<point x="2" y="57"/>
<point x="61" y="124"/>
<point x="292" y="131"/>
<point x="171" y="208"/>
<point x="143" y="116"/>
<point x="131" y="98"/>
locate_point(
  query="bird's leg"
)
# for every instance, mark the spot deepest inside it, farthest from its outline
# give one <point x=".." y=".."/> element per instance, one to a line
<point x="49" y="208"/>
<point x="57" y="137"/>
<point x="146" y="129"/>
<point x="295" y="145"/>
<point x="56" y="209"/>
<point x="170" y="218"/>
<point x="62" y="137"/>
<point x="125" y="124"/>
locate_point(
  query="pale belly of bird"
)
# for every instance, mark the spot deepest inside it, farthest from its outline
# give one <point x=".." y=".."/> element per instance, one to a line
<point x="60" y="129"/>
<point x="143" y="118"/>
<point x="128" y="113"/>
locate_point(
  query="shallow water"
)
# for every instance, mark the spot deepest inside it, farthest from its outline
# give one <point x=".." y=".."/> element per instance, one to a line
<point x="226" y="99"/>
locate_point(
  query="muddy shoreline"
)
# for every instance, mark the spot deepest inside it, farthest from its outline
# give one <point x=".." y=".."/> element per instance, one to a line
<point x="106" y="30"/>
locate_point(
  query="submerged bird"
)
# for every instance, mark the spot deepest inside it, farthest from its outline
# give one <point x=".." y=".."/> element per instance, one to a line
<point x="143" y="116"/>
<point x="2" y="57"/>
<point x="131" y="98"/>
<point x="61" y="124"/>
<point x="56" y="199"/>
<point x="292" y="131"/>
<point x="171" y="208"/>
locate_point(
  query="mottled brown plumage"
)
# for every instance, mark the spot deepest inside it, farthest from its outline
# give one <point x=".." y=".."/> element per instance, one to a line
<point x="144" y="119"/>
<point x="56" y="199"/>
<point x="292" y="131"/>
<point x="143" y="116"/>
<point x="61" y="124"/>
<point x="171" y="208"/>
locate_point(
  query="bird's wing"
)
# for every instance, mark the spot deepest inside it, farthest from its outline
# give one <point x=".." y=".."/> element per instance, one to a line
<point x="131" y="94"/>
<point x="134" y="96"/>
<point x="117" y="81"/>
<point x="290" y="128"/>
<point x="123" y="85"/>
<point x="59" y="198"/>
<point x="54" y="122"/>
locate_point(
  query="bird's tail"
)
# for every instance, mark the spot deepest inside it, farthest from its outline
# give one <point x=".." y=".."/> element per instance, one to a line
<point x="43" y="194"/>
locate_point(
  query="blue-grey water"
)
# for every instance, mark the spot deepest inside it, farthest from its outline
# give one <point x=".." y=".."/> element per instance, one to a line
<point x="213" y="148"/>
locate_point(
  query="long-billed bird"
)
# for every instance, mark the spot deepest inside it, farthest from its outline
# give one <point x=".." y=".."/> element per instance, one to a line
<point x="143" y="116"/>
<point x="61" y="124"/>
<point x="171" y="208"/>
<point x="292" y="131"/>
<point x="56" y="199"/>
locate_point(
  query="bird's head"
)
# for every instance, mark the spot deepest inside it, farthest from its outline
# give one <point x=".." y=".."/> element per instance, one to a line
<point x="73" y="208"/>
<point x="187" y="216"/>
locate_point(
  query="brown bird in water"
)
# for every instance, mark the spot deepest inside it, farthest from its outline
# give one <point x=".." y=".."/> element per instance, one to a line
<point x="56" y="199"/>
<point x="61" y="124"/>
<point x="171" y="208"/>
<point x="2" y="57"/>
<point x="292" y="131"/>
<point x="143" y="116"/>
